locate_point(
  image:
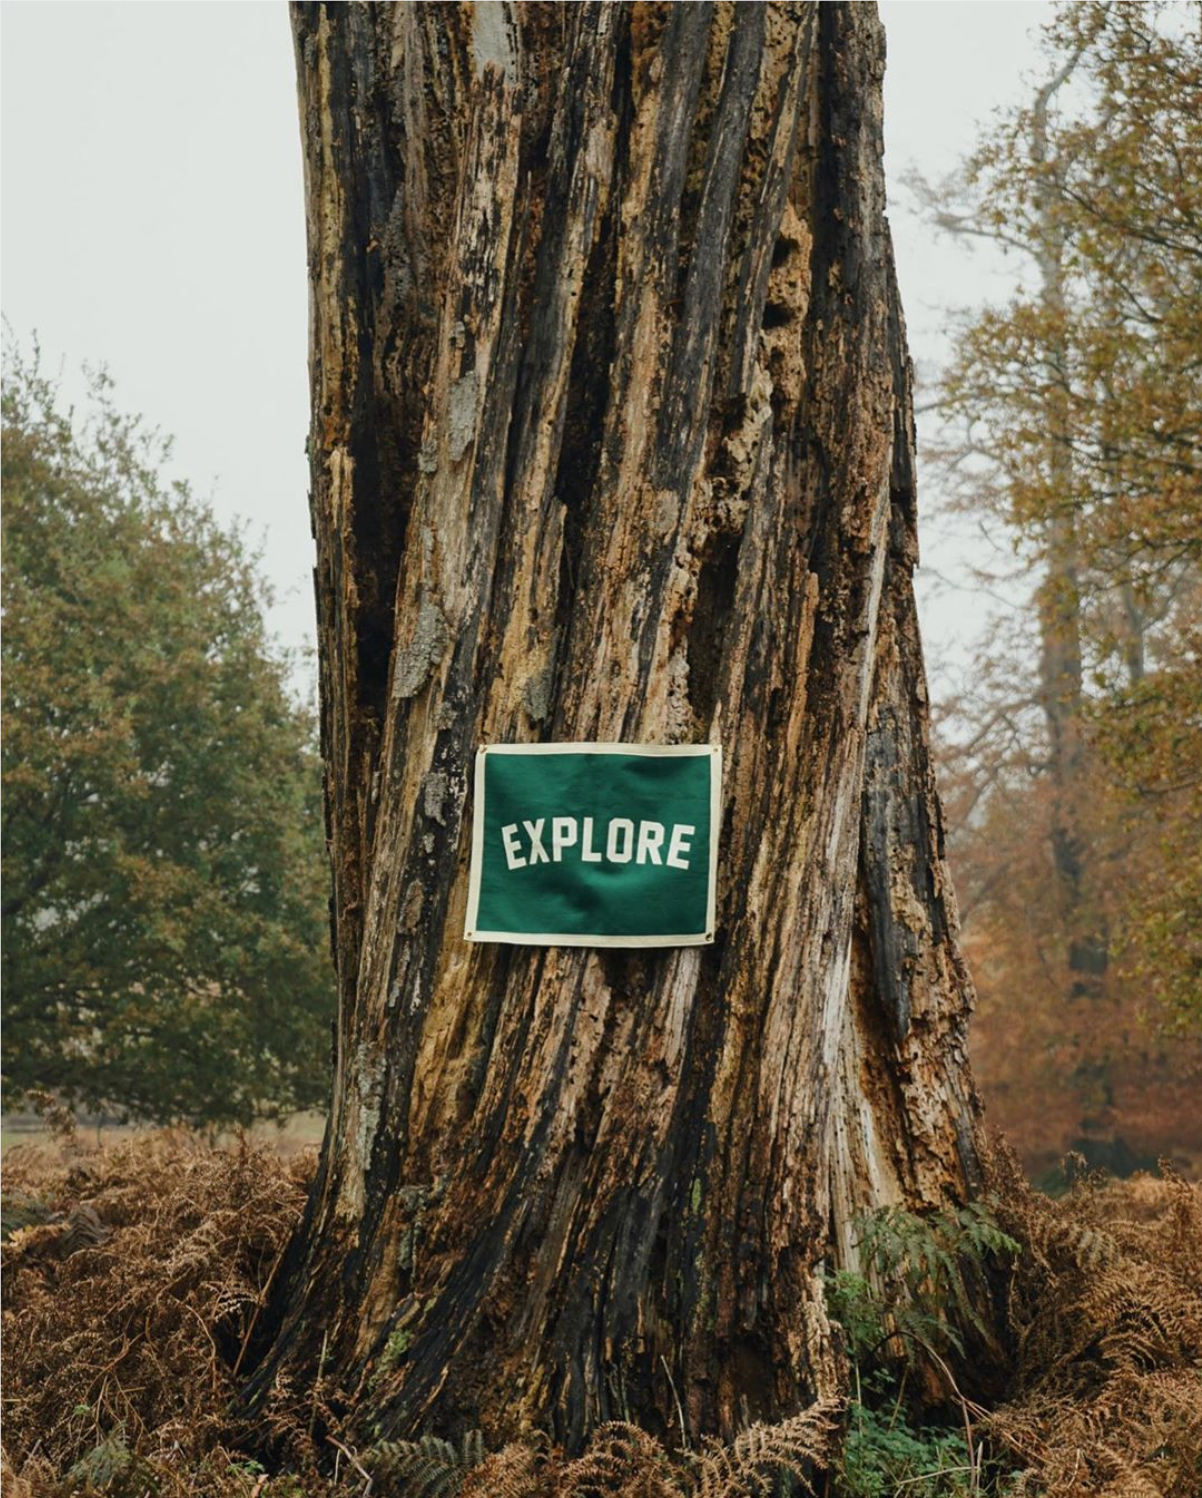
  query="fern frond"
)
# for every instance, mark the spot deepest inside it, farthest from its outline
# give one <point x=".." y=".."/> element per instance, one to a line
<point x="427" y="1468"/>
<point x="104" y="1464"/>
<point x="751" y="1465"/>
<point x="520" y="1470"/>
<point x="620" y="1459"/>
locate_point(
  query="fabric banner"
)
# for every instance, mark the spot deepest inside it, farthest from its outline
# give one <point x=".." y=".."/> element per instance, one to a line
<point x="595" y="845"/>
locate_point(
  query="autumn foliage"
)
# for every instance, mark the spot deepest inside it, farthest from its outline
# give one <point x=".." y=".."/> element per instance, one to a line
<point x="1072" y="429"/>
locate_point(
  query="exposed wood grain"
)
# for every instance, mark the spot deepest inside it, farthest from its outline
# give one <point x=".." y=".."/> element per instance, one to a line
<point x="612" y="440"/>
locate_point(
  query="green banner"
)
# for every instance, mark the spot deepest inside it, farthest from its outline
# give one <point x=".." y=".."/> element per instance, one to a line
<point x="595" y="845"/>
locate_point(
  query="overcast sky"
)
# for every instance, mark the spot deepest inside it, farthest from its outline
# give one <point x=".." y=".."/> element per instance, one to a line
<point x="152" y="221"/>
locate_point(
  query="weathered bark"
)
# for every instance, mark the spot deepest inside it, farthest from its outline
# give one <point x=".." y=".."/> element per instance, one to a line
<point x="612" y="440"/>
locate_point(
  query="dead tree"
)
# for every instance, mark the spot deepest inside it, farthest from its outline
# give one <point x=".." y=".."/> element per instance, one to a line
<point x="612" y="440"/>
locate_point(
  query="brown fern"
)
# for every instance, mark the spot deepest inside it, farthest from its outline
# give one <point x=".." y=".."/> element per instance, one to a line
<point x="623" y="1461"/>
<point x="520" y="1470"/>
<point x="1105" y="1313"/>
<point x="750" y="1466"/>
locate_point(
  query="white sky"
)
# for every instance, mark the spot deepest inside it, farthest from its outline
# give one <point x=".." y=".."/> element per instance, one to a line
<point x="152" y="221"/>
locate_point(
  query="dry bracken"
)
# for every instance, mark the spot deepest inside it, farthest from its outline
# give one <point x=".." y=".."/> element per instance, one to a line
<point x="1105" y="1311"/>
<point x="134" y="1276"/>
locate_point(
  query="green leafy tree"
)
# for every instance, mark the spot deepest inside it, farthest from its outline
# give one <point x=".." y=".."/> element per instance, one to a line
<point x="164" y="871"/>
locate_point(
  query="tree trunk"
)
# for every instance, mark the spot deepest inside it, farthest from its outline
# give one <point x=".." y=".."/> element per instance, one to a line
<point x="612" y="440"/>
<point x="1058" y="597"/>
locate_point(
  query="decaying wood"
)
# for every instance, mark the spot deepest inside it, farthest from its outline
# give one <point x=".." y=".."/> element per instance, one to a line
<point x="612" y="440"/>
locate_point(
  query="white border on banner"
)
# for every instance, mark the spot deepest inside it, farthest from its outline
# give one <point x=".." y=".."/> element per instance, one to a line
<point x="571" y="939"/>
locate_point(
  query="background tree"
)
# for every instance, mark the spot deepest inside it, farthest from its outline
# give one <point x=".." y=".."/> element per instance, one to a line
<point x="164" y="878"/>
<point x="1074" y="418"/>
<point x="612" y="440"/>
